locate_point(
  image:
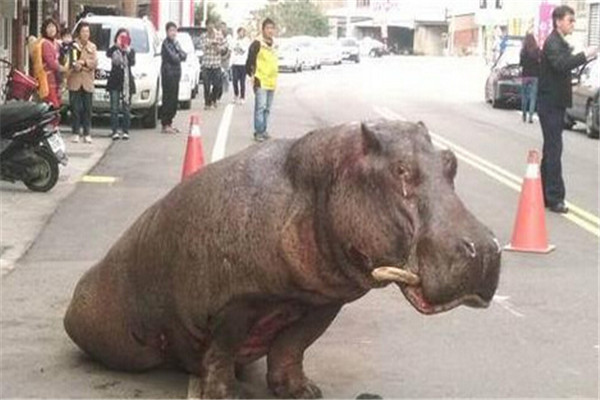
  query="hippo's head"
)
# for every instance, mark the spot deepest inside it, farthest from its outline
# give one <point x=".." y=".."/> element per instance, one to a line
<point x="388" y="212"/>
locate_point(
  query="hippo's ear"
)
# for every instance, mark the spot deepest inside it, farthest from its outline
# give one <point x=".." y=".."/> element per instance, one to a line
<point x="370" y="143"/>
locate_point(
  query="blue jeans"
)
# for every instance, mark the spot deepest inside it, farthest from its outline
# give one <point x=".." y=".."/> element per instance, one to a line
<point x="529" y="88"/>
<point x="262" y="107"/>
<point x="117" y="105"/>
<point x="81" y="110"/>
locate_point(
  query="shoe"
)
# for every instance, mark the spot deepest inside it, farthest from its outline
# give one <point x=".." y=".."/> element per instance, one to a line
<point x="125" y="136"/>
<point x="207" y="107"/>
<point x="531" y="120"/>
<point x="215" y="105"/>
<point x="87" y="139"/>
<point x="242" y="101"/>
<point x="235" y="100"/>
<point x="168" y="129"/>
<point x="267" y="136"/>
<point x="560" y="208"/>
<point x="176" y="129"/>
<point x="115" y="136"/>
<point x="75" y="139"/>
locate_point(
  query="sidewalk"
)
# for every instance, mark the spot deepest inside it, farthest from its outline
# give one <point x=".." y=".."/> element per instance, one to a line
<point x="25" y="213"/>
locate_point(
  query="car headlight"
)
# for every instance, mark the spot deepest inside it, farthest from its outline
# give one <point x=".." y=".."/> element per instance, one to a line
<point x="140" y="75"/>
<point x="101" y="74"/>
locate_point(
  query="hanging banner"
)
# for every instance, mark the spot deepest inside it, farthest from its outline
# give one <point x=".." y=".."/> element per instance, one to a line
<point x="545" y="22"/>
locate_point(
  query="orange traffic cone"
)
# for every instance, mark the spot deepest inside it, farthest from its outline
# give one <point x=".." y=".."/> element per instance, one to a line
<point x="194" y="153"/>
<point x="529" y="234"/>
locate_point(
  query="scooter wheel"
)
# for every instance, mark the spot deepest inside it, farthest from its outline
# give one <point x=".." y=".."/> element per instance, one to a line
<point x="46" y="171"/>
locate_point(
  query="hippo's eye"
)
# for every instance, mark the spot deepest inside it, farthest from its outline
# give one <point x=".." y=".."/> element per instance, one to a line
<point x="401" y="171"/>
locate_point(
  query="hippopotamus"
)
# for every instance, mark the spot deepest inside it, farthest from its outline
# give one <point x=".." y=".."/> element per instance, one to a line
<point x="255" y="255"/>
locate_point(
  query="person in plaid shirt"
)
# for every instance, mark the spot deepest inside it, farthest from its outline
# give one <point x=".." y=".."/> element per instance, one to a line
<point x="213" y="44"/>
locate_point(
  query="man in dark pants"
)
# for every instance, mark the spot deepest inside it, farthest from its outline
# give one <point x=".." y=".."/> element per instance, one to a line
<point x="555" y="96"/>
<point x="172" y="56"/>
<point x="212" y="46"/>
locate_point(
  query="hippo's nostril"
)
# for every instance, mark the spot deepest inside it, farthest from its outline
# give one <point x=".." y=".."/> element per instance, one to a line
<point x="469" y="246"/>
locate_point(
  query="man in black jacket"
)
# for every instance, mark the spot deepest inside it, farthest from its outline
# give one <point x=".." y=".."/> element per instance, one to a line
<point x="172" y="55"/>
<point x="555" y="96"/>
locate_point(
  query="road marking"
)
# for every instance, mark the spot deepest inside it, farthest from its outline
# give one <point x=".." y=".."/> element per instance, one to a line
<point x="577" y="215"/>
<point x="219" y="148"/>
<point x="194" y="386"/>
<point x="503" y="301"/>
<point x="98" y="179"/>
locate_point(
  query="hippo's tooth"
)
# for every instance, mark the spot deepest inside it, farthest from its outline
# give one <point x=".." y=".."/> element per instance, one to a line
<point x="394" y="274"/>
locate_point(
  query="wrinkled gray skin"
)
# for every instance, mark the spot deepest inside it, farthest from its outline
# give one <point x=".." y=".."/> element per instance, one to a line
<point x="255" y="255"/>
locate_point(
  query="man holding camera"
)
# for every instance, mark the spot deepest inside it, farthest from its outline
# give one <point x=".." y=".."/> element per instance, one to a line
<point x="80" y="83"/>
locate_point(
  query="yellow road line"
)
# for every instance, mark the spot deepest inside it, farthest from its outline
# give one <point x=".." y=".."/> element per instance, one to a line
<point x="577" y="215"/>
<point x="98" y="179"/>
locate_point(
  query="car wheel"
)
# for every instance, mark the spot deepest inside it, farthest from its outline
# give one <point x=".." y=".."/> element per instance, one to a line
<point x="185" y="105"/>
<point x="149" y="120"/>
<point x="568" y="122"/>
<point x="589" y="123"/>
<point x="496" y="103"/>
<point x="357" y="60"/>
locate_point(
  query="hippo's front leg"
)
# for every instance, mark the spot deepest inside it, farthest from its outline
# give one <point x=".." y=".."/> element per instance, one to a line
<point x="285" y="374"/>
<point x="217" y="378"/>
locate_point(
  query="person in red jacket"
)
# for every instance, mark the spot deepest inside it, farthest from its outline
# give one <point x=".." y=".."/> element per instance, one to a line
<point x="52" y="68"/>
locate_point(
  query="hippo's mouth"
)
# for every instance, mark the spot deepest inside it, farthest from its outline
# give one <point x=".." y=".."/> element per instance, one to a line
<point x="417" y="299"/>
<point x="411" y="285"/>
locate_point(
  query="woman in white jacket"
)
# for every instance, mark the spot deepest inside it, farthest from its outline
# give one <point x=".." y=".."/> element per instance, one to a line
<point x="238" y="65"/>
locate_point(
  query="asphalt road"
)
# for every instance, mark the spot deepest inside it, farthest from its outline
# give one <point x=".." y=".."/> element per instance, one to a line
<point x="539" y="338"/>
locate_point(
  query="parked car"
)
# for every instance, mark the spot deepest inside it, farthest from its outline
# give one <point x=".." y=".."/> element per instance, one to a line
<point x="146" y="71"/>
<point x="350" y="49"/>
<point x="190" y="72"/>
<point x="585" y="99"/>
<point x="309" y="55"/>
<point x="372" y="47"/>
<point x="329" y="50"/>
<point x="503" y="85"/>
<point x="195" y="33"/>
<point x="289" y="56"/>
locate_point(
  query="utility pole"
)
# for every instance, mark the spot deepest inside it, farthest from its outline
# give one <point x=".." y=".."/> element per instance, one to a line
<point x="204" y="12"/>
<point x="348" y="16"/>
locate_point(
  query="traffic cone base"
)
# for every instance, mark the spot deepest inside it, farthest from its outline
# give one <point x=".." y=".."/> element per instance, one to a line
<point x="547" y="250"/>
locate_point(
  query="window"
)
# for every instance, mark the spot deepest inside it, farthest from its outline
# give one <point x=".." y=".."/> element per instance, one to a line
<point x="363" y="3"/>
<point x="102" y="35"/>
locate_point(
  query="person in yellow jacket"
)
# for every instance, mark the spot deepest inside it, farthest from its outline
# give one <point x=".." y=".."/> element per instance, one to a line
<point x="262" y="66"/>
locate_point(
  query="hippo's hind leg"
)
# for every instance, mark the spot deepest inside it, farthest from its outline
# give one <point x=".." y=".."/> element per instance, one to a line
<point x="285" y="375"/>
<point x="98" y="321"/>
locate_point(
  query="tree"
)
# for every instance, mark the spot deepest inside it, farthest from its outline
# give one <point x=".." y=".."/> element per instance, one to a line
<point x="296" y="17"/>
<point x="213" y="13"/>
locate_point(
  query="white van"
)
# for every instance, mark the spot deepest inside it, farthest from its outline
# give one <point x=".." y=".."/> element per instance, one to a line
<point x="146" y="71"/>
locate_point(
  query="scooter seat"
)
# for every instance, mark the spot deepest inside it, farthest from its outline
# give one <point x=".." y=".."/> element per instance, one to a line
<point x="15" y="113"/>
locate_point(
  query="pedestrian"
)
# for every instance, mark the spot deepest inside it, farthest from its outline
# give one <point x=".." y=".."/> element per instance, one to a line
<point x="262" y="67"/>
<point x="212" y="46"/>
<point x="530" y="63"/>
<point x="172" y="56"/>
<point x="46" y="68"/>
<point x="239" y="50"/>
<point x="80" y="82"/>
<point x="555" y="96"/>
<point x="121" y="84"/>
<point x="225" y="62"/>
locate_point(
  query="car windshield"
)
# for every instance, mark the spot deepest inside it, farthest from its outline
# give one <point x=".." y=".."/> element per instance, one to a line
<point x="103" y="36"/>
<point x="348" y="43"/>
<point x="186" y="42"/>
<point x="511" y="56"/>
